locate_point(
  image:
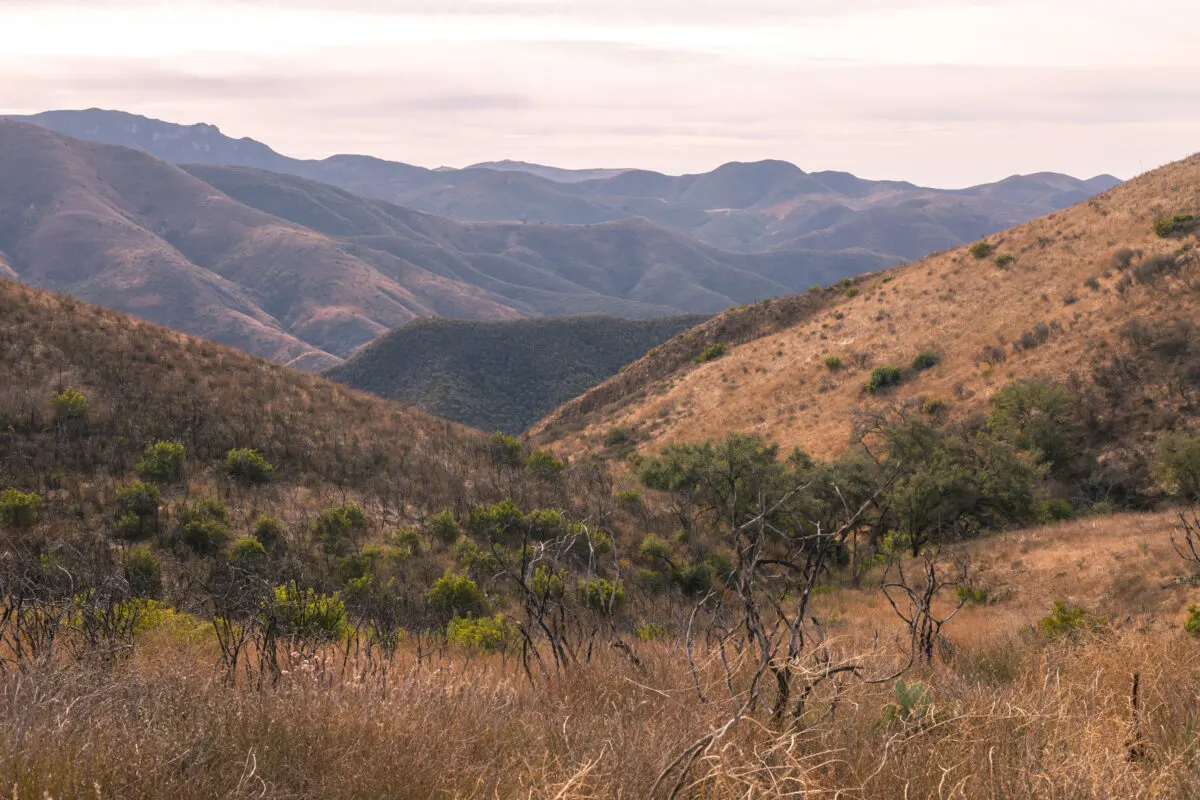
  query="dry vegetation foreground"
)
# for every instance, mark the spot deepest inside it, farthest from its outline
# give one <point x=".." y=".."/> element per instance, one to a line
<point x="1005" y="711"/>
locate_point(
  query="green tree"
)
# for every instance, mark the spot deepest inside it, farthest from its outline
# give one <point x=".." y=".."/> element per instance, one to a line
<point x="248" y="466"/>
<point x="69" y="405"/>
<point x="340" y="529"/>
<point x="163" y="462"/>
<point x="143" y="573"/>
<point x="137" y="509"/>
<point x="456" y="596"/>
<point x="19" y="510"/>
<point x="1039" y="417"/>
<point x="1177" y="464"/>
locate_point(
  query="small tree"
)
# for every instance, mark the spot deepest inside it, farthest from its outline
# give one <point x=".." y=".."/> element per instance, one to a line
<point x="269" y="531"/>
<point x="137" y="509"/>
<point x="204" y="527"/>
<point x="69" y="405"/>
<point x="443" y="527"/>
<point x="456" y="596"/>
<point x="883" y="378"/>
<point x="248" y="553"/>
<point x="982" y="250"/>
<point x="143" y="573"/>
<point x="248" y="466"/>
<point x="1178" y="464"/>
<point x="505" y="449"/>
<point x="163" y="462"/>
<point x="19" y="510"/>
<point x="544" y="465"/>
<point x="340" y="528"/>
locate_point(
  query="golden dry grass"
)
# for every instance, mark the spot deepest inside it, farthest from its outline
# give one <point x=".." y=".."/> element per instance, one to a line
<point x="953" y="303"/>
<point x="1012" y="715"/>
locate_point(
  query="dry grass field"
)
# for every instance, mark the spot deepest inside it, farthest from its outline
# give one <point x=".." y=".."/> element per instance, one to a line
<point x="1011" y="713"/>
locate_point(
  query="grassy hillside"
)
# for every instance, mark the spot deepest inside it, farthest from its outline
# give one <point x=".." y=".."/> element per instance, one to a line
<point x="1091" y="292"/>
<point x="501" y="375"/>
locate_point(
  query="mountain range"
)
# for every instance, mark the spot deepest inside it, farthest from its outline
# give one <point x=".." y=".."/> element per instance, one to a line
<point x="743" y="207"/>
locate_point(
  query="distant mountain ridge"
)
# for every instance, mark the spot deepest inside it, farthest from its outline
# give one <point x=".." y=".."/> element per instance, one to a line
<point x="502" y="375"/>
<point x="743" y="207"/>
<point x="304" y="273"/>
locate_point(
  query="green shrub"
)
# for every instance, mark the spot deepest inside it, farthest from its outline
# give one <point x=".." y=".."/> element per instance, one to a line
<point x="269" y="531"/>
<point x="163" y="462"/>
<point x="1004" y="260"/>
<point x="204" y="527"/>
<point x="505" y="449"/>
<point x="926" y="360"/>
<point x="971" y="595"/>
<point x="618" y="437"/>
<point x="631" y="500"/>
<point x="457" y="596"/>
<point x="1192" y="623"/>
<point x="68" y="405"/>
<point x="407" y="541"/>
<point x="883" y="378"/>
<point x="1065" y="621"/>
<point x="600" y="594"/>
<point x="712" y="352"/>
<point x="340" y="528"/>
<point x="137" y="509"/>
<point x="911" y="705"/>
<point x="443" y="527"/>
<point x="981" y="250"/>
<point x="833" y="363"/>
<point x="1178" y="224"/>
<point x="305" y="614"/>
<point x="1177" y="464"/>
<point x="143" y="573"/>
<point x="1054" y="509"/>
<point x="487" y="634"/>
<point x="851" y="292"/>
<point x="654" y="547"/>
<point x="694" y="579"/>
<point x="248" y="466"/>
<point x="248" y="552"/>
<point x="933" y="407"/>
<point x="495" y="521"/>
<point x="19" y="510"/>
<point x="546" y="584"/>
<point x="847" y="283"/>
<point x="544" y="465"/>
<point x="651" y="631"/>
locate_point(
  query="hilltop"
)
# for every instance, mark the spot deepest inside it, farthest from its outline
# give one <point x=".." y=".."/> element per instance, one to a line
<point x="742" y="207"/>
<point x="501" y="375"/>
<point x="1091" y="291"/>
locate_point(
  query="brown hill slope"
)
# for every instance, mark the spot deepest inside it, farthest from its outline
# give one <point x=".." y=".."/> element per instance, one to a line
<point x="118" y="227"/>
<point x="1051" y="297"/>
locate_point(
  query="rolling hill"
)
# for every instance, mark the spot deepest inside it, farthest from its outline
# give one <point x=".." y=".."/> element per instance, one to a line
<point x="304" y="273"/>
<point x="1092" y="291"/>
<point x="744" y="207"/>
<point x="501" y="375"/>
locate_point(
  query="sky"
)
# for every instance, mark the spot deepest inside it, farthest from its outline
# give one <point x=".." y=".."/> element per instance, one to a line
<point x="941" y="92"/>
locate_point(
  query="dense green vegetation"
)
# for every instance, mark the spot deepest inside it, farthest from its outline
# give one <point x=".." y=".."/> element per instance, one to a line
<point x="502" y="375"/>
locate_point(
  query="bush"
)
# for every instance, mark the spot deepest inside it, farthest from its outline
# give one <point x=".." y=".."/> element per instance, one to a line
<point x="654" y="547"/>
<point x="407" y="541"/>
<point x="631" y="500"/>
<point x="204" y="527"/>
<point x="711" y="352"/>
<point x="137" y="508"/>
<point x="248" y="466"/>
<point x="248" y="553"/>
<point x="912" y="703"/>
<point x="305" y="614"/>
<point x="487" y="634"/>
<point x="600" y="594"/>
<point x="505" y="449"/>
<point x="457" y="596"/>
<point x="544" y="465"/>
<point x="496" y="521"/>
<point x="981" y="250"/>
<point x="19" y="510"/>
<point x="269" y="531"/>
<point x="1178" y="224"/>
<point x="1004" y="260"/>
<point x="925" y="361"/>
<point x="1054" y="509"/>
<point x="69" y="405"/>
<point x="1177" y="464"/>
<point x="694" y="579"/>
<point x="143" y="573"/>
<point x="618" y="437"/>
<point x="1192" y="623"/>
<point x="163" y="462"/>
<point x="443" y="527"/>
<point x="851" y="292"/>
<point x="651" y="631"/>
<point x="833" y="363"/>
<point x="1155" y="268"/>
<point x="1065" y="621"/>
<point x="340" y="528"/>
<point x="971" y="595"/>
<point x="883" y="378"/>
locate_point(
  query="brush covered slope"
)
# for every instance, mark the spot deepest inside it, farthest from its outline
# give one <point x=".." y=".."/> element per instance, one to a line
<point x="501" y="375"/>
<point x="743" y="207"/>
<point x="1105" y="291"/>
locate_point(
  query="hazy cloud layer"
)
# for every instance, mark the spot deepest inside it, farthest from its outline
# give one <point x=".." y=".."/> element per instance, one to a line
<point x="946" y="93"/>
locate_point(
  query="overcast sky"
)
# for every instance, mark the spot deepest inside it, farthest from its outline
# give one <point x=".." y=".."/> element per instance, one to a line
<point x="943" y="92"/>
